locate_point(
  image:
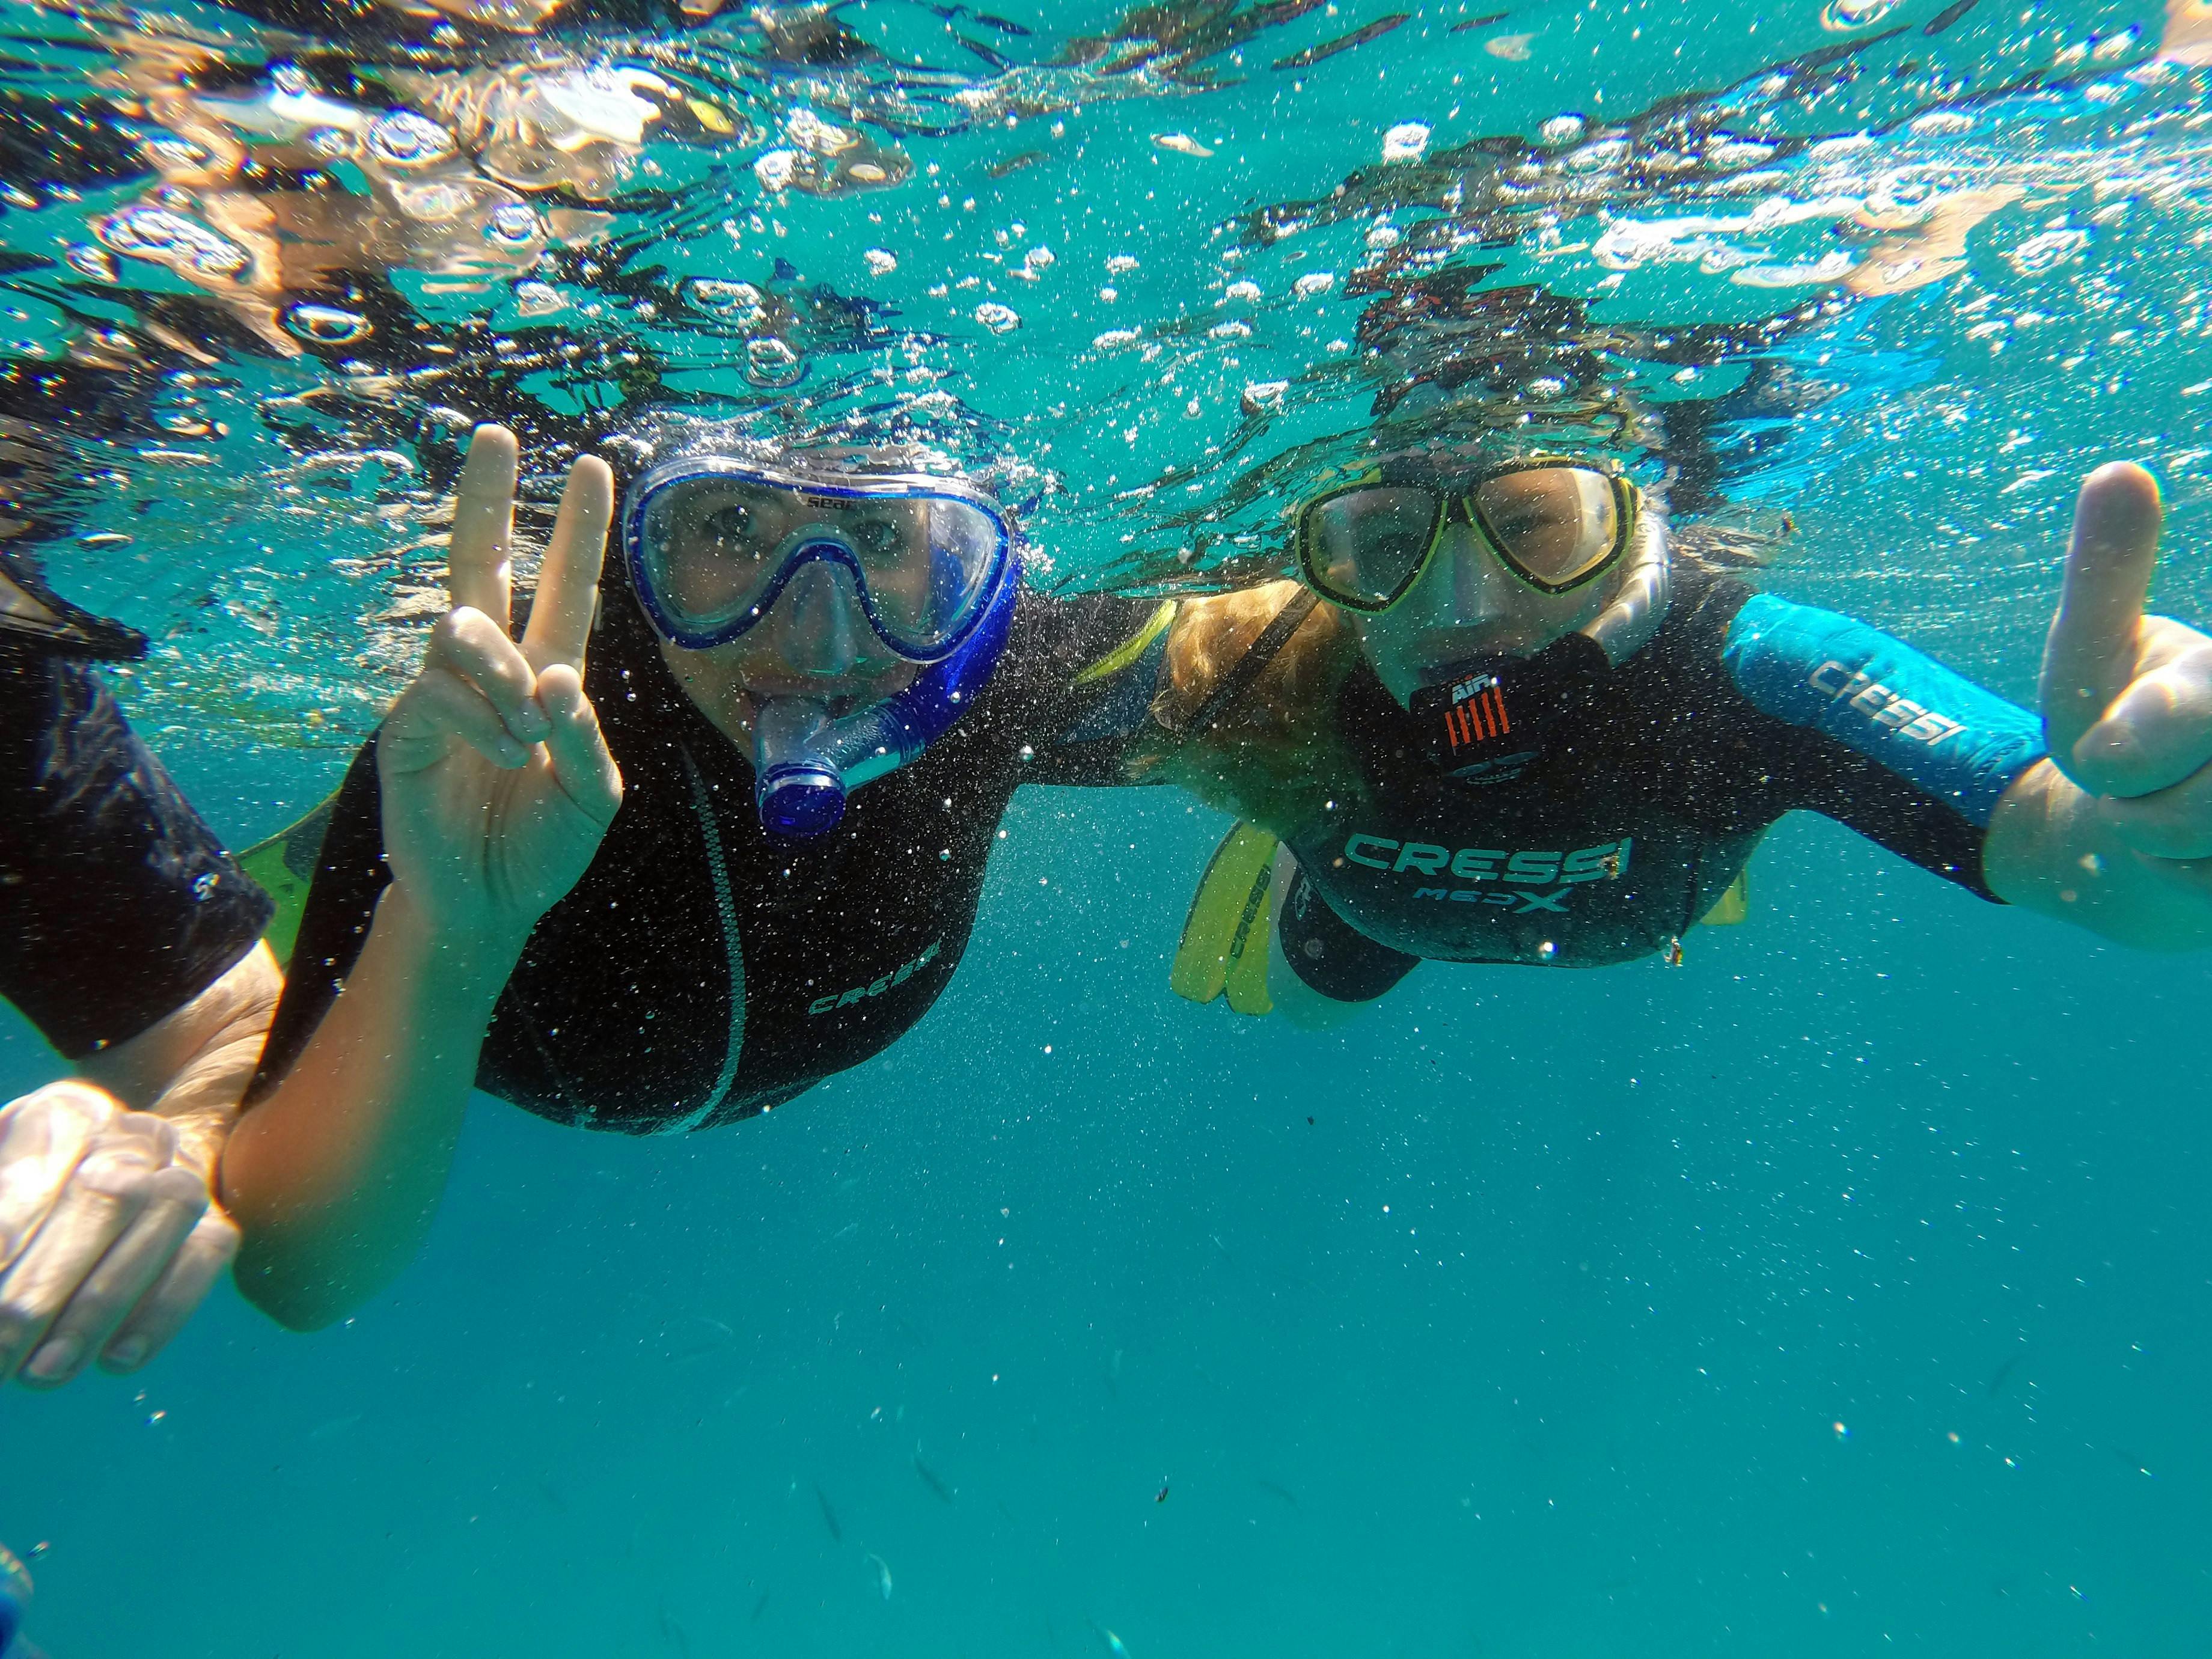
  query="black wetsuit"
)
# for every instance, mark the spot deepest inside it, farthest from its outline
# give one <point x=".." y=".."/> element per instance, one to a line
<point x="1648" y="795"/>
<point x="118" y="905"/>
<point x="700" y="971"/>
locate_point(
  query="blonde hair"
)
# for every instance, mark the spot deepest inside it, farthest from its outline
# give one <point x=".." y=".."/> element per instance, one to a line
<point x="1274" y="754"/>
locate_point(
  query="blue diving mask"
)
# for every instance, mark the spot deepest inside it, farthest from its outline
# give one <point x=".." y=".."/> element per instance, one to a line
<point x="711" y="542"/>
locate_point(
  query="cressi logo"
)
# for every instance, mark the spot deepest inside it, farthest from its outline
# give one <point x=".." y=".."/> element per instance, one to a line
<point x="874" y="988"/>
<point x="1862" y="692"/>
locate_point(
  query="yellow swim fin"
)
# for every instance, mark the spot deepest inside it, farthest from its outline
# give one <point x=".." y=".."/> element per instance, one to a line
<point x="1733" y="906"/>
<point x="1224" y="937"/>
<point x="285" y="865"/>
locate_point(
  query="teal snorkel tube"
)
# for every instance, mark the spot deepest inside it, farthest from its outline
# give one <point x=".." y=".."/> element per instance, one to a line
<point x="805" y="763"/>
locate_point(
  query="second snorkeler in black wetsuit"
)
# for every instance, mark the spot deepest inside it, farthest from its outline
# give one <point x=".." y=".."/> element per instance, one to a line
<point x="820" y="689"/>
<point x="1512" y="732"/>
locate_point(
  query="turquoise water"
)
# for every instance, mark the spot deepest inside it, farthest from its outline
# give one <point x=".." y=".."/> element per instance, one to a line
<point x="1839" y="1292"/>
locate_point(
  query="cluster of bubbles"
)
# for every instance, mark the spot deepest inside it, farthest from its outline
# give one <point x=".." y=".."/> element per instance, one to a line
<point x="360" y="245"/>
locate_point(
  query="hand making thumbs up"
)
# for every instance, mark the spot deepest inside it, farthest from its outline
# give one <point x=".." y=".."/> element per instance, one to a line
<point x="2117" y="832"/>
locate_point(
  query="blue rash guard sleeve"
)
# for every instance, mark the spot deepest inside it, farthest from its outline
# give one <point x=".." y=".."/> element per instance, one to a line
<point x="1948" y="738"/>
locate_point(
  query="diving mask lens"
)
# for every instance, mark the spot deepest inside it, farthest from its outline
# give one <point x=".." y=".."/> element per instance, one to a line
<point x="713" y="547"/>
<point x="1364" y="547"/>
<point x="1557" y="525"/>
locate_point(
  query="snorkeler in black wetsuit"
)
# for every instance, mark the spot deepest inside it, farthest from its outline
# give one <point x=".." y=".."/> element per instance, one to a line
<point x="794" y="629"/>
<point x="704" y="969"/>
<point x="1526" y="736"/>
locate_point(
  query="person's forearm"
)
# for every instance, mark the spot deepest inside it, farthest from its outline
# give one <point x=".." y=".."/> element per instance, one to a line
<point x="2048" y="850"/>
<point x="335" y="1173"/>
<point x="193" y="1067"/>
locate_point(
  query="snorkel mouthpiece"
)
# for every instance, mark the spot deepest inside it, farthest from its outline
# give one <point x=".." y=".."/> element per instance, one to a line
<point x="798" y="791"/>
<point x="805" y="763"/>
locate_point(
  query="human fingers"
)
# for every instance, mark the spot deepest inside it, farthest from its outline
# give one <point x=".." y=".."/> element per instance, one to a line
<point x="473" y="648"/>
<point x="568" y="580"/>
<point x="43" y="1136"/>
<point x="2158" y="731"/>
<point x="205" y="1255"/>
<point x="2090" y="655"/>
<point x="483" y="523"/>
<point x="440" y="706"/>
<point x="582" y="764"/>
<point x="111" y="1184"/>
<point x="175" y="1199"/>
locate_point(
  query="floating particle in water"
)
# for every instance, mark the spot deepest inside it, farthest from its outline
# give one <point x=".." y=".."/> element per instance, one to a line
<point x="1839" y="17"/>
<point x="1561" y="131"/>
<point x="1263" y="397"/>
<point x="171" y="239"/>
<point x="1039" y="258"/>
<point x="1381" y="237"/>
<point x="401" y="138"/>
<point x="1313" y="283"/>
<point x="1109" y="295"/>
<point x="999" y="318"/>
<point x="741" y="302"/>
<point x="512" y="222"/>
<point x="538" y="299"/>
<point x="1114" y="339"/>
<point x="1120" y="264"/>
<point x="1181" y="144"/>
<point x="1841" y="1432"/>
<point x="1229" y="331"/>
<point x="1407" y="142"/>
<point x="1246" y="290"/>
<point x="88" y="260"/>
<point x="326" y="325"/>
<point x="881" y="261"/>
<point x="883" y="1576"/>
<point x="772" y="363"/>
<point x="1513" y="48"/>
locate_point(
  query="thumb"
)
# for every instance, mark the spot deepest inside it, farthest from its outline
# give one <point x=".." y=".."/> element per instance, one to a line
<point x="2090" y="656"/>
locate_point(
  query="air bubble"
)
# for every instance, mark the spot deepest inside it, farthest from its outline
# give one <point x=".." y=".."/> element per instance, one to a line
<point x="326" y="325"/>
<point x="999" y="318"/>
<point x="512" y="222"/>
<point x="1407" y="142"/>
<point x="772" y="363"/>
<point x="401" y="138"/>
<point x="171" y="239"/>
<point x="96" y="263"/>
<point x="881" y="261"/>
<point x="741" y="302"/>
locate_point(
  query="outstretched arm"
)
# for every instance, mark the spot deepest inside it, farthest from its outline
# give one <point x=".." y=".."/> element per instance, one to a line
<point x="2114" y="831"/>
<point x="496" y="787"/>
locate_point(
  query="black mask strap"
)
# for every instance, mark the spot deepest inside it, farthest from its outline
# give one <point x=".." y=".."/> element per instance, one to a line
<point x="1254" y="663"/>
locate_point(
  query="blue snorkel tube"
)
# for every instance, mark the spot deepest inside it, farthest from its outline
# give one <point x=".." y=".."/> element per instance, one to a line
<point x="804" y="763"/>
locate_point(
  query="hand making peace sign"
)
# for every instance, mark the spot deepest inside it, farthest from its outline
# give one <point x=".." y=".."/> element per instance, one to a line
<point x="496" y="782"/>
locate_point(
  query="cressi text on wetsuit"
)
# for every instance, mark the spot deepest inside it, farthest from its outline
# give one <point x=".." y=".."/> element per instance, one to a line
<point x="1649" y="795"/>
<point x="700" y="971"/>
<point x="117" y="904"/>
